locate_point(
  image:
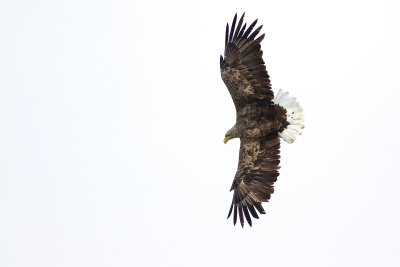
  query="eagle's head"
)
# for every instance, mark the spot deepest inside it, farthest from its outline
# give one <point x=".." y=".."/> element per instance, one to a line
<point x="231" y="133"/>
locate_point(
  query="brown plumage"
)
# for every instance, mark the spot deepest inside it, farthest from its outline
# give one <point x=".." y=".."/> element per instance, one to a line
<point x="258" y="120"/>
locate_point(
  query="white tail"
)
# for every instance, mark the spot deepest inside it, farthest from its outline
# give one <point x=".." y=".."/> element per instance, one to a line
<point x="294" y="116"/>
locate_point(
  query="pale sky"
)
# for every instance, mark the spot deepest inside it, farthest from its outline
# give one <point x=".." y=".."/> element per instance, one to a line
<point x="112" y="120"/>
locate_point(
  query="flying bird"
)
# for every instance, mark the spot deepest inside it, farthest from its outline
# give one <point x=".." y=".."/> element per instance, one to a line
<point x="261" y="120"/>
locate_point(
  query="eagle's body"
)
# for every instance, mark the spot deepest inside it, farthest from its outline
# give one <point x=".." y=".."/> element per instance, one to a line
<point x="260" y="120"/>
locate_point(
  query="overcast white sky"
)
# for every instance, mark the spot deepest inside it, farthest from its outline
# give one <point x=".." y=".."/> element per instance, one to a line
<point x="112" y="116"/>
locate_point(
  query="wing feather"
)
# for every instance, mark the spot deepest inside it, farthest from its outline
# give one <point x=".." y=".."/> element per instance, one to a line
<point x="242" y="67"/>
<point x="233" y="28"/>
<point x="230" y="210"/>
<point x="257" y="172"/>
<point x="234" y="214"/>
<point x="239" y="26"/>
<point x="252" y="211"/>
<point x="247" y="215"/>
<point x="259" y="207"/>
<point x="241" y="214"/>
<point x="249" y="30"/>
<point x="226" y="34"/>
<point x="242" y="30"/>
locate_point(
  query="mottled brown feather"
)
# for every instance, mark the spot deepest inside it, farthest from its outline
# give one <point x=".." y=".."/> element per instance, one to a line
<point x="243" y="54"/>
<point x="258" y="120"/>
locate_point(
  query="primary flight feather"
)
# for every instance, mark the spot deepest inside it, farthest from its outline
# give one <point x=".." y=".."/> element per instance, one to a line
<point x="261" y="120"/>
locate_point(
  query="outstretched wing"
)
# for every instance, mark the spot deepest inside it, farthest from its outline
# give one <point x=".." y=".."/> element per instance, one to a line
<point x="255" y="177"/>
<point x="242" y="67"/>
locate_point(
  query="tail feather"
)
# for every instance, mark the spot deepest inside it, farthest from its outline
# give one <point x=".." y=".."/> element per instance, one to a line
<point x="294" y="116"/>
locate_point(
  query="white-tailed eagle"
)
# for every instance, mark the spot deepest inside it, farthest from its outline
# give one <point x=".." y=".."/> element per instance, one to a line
<point x="261" y="120"/>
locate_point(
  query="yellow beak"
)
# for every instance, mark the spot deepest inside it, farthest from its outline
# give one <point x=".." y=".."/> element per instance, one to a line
<point x="226" y="139"/>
